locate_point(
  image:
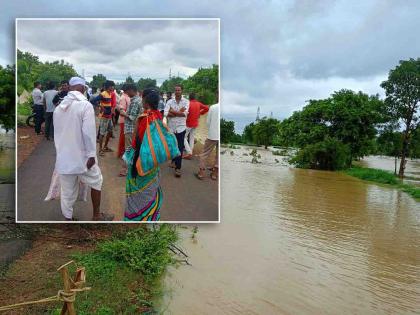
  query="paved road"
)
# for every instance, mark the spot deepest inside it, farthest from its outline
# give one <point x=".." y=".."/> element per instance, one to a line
<point x="185" y="198"/>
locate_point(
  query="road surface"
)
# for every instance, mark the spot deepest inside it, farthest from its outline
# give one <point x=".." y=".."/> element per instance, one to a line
<point x="185" y="198"/>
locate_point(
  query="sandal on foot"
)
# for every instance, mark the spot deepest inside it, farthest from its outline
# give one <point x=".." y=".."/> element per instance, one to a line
<point x="200" y="177"/>
<point x="107" y="150"/>
<point x="102" y="153"/>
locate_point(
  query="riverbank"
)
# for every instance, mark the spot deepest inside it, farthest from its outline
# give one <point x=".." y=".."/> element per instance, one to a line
<point x="383" y="177"/>
<point x="123" y="264"/>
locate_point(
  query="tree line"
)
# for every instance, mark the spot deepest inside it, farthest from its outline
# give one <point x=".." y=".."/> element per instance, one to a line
<point x="331" y="133"/>
<point x="204" y="83"/>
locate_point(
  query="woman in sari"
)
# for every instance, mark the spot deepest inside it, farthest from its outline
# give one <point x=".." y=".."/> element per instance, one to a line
<point x="144" y="195"/>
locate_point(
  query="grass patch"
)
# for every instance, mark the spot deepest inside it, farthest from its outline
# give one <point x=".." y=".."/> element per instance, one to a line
<point x="383" y="177"/>
<point x="125" y="272"/>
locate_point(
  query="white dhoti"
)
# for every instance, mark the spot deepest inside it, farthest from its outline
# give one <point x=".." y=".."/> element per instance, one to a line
<point x="189" y="140"/>
<point x="70" y="187"/>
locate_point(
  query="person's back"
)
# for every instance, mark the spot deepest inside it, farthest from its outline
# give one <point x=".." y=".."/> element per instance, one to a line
<point x="37" y="96"/>
<point x="69" y="131"/>
<point x="106" y="105"/>
<point x="213" y="123"/>
<point x="195" y="110"/>
<point x="49" y="96"/>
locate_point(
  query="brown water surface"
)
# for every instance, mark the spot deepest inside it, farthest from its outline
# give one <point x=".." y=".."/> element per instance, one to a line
<point x="297" y="241"/>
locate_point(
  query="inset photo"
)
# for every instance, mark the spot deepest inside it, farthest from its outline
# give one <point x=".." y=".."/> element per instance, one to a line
<point x="117" y="120"/>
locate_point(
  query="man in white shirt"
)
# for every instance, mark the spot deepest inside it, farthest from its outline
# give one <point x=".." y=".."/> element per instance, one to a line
<point x="49" y="109"/>
<point x="38" y="97"/>
<point x="75" y="143"/>
<point x="176" y="111"/>
<point x="211" y="142"/>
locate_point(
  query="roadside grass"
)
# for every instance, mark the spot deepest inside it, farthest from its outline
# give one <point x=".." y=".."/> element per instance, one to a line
<point x="125" y="272"/>
<point x="7" y="175"/>
<point x="383" y="177"/>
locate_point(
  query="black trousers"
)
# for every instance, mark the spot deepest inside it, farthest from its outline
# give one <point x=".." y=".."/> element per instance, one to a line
<point x="180" y="139"/>
<point x="49" y="125"/>
<point x="39" y="117"/>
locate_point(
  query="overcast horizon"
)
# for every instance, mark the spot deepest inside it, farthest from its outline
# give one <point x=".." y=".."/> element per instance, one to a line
<point x="274" y="55"/>
<point x="119" y="48"/>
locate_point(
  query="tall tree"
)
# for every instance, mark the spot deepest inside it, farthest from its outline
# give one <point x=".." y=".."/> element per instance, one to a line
<point x="346" y="118"/>
<point x="265" y="130"/>
<point x="248" y="134"/>
<point x="169" y="85"/>
<point x="129" y="80"/>
<point x="227" y="130"/>
<point x="98" y="80"/>
<point x="402" y="101"/>
<point x="144" y="83"/>
<point x="204" y="83"/>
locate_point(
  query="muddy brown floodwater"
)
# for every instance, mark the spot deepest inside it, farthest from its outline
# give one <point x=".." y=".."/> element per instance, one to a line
<point x="297" y="241"/>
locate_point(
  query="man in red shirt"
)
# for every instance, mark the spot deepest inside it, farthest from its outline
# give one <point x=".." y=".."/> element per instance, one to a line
<point x="196" y="109"/>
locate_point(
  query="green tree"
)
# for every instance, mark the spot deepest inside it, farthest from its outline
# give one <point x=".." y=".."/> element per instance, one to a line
<point x="205" y="84"/>
<point x="265" y="130"/>
<point x="328" y="154"/>
<point x="415" y="143"/>
<point x="389" y="142"/>
<point x="7" y="97"/>
<point x="98" y="81"/>
<point x="129" y="80"/>
<point x="144" y="83"/>
<point x="227" y="130"/>
<point x="402" y="101"/>
<point x="346" y="116"/>
<point x="169" y="85"/>
<point x="55" y="71"/>
<point x="27" y="70"/>
<point x="248" y="133"/>
<point x="30" y="69"/>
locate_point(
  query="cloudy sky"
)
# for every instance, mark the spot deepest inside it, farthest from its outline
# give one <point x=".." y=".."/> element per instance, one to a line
<point x="274" y="54"/>
<point x="116" y="48"/>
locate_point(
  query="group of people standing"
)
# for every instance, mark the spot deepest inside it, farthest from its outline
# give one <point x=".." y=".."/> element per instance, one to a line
<point x="76" y="137"/>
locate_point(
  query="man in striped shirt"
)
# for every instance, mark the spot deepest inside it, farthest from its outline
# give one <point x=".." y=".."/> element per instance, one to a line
<point x="105" y="116"/>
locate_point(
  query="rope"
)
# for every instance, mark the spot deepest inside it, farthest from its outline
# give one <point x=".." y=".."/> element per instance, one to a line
<point x="68" y="297"/>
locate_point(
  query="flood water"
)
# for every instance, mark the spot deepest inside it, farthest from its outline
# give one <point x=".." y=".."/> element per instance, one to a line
<point x="412" y="169"/>
<point x="299" y="242"/>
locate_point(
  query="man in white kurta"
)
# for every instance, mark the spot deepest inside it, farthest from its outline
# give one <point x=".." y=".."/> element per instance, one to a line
<point x="211" y="142"/>
<point x="75" y="143"/>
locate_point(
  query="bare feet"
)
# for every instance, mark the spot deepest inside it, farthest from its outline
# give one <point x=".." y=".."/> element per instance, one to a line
<point x="103" y="217"/>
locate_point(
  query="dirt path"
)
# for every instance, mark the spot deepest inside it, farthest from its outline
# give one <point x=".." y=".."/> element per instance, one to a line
<point x="185" y="198"/>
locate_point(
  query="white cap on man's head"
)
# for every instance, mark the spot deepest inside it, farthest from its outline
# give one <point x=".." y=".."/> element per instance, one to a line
<point x="76" y="81"/>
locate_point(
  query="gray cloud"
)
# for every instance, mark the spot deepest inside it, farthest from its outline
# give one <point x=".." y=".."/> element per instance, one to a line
<point x="117" y="47"/>
<point x="274" y="54"/>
